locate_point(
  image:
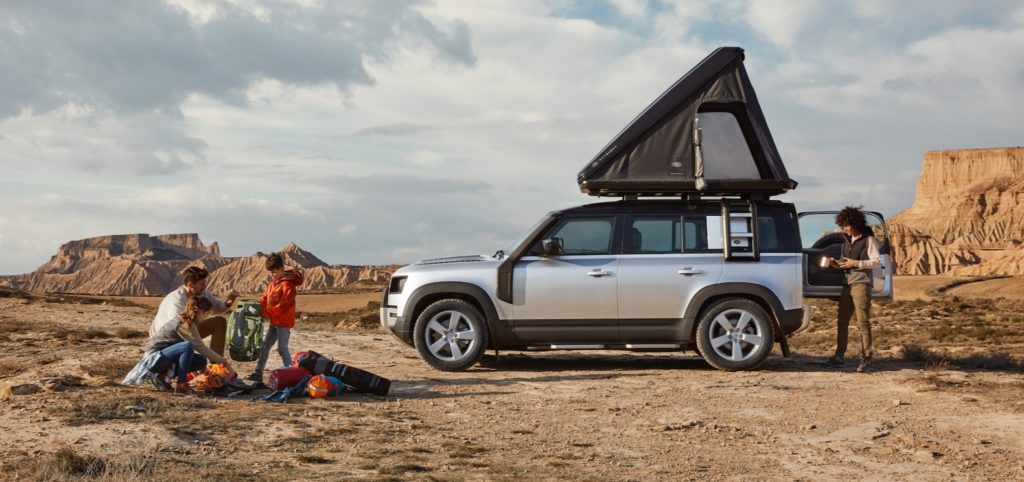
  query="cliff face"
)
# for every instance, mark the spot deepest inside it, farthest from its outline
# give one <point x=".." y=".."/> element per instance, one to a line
<point x="967" y="217"/>
<point x="143" y="265"/>
<point x="249" y="275"/>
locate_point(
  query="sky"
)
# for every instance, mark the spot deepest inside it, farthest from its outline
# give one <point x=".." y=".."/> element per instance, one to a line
<point x="380" y="132"/>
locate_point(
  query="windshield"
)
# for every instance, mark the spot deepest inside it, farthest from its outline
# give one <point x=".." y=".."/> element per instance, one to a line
<point x="525" y="234"/>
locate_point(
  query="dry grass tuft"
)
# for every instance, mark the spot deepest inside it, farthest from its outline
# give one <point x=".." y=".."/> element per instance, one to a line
<point x="979" y="361"/>
<point x="313" y="459"/>
<point x="400" y="469"/>
<point x="113" y="368"/>
<point x="66" y="464"/>
<point x="11" y="366"/>
<point x="90" y="410"/>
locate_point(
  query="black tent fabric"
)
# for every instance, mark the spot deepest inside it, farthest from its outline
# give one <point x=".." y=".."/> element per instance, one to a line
<point x="706" y="134"/>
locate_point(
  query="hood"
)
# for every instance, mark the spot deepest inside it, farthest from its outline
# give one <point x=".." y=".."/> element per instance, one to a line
<point x="454" y="259"/>
<point x="293" y="276"/>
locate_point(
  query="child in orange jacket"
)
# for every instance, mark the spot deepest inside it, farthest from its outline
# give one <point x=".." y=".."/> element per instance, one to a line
<point x="278" y="303"/>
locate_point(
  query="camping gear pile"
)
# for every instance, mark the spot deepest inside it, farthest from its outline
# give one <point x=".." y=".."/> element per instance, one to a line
<point x="317" y="376"/>
<point x="212" y="378"/>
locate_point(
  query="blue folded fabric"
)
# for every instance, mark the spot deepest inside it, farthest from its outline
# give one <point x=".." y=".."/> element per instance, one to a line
<point x="282" y="396"/>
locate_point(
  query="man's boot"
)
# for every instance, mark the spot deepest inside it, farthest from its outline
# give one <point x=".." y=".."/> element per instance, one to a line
<point x="834" y="362"/>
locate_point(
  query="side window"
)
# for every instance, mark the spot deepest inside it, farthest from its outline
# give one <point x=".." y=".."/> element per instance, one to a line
<point x="653" y="235"/>
<point x="582" y="236"/>
<point x="695" y="234"/>
<point x="776" y="233"/>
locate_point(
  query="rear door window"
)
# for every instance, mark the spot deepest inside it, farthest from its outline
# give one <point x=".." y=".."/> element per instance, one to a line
<point x="653" y="235"/>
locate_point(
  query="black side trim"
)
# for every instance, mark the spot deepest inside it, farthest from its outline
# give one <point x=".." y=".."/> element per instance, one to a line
<point x="500" y="330"/>
<point x="504" y="286"/>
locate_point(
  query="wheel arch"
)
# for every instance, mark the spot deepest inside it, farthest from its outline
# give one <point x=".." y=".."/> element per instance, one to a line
<point x="708" y="295"/>
<point x="427" y="294"/>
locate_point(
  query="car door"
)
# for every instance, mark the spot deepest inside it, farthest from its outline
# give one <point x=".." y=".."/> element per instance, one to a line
<point x="665" y="260"/>
<point x="571" y="296"/>
<point x="820" y="237"/>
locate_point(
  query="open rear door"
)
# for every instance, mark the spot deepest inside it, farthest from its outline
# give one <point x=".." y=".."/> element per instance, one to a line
<point x="821" y="237"/>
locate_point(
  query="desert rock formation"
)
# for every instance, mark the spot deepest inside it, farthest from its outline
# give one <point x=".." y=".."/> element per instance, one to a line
<point x="144" y="265"/>
<point x="249" y="275"/>
<point x="967" y="217"/>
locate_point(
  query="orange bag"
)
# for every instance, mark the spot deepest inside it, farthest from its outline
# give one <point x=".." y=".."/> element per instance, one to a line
<point x="321" y="386"/>
<point x="214" y="377"/>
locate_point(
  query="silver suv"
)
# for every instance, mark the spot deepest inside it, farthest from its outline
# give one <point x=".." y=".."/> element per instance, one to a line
<point x="630" y="275"/>
<point x="721" y="267"/>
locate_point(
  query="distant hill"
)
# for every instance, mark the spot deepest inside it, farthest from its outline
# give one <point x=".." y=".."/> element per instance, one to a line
<point x="144" y="265"/>
<point x="967" y="217"/>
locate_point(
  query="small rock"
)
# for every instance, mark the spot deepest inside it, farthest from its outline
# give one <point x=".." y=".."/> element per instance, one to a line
<point x="927" y="455"/>
<point x="11" y="389"/>
<point x="983" y="442"/>
<point x="897" y="402"/>
<point x="810" y="427"/>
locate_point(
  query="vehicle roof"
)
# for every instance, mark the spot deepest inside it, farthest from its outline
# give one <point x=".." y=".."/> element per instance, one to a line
<point x="667" y="205"/>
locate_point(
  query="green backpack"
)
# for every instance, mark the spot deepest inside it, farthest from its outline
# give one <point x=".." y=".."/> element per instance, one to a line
<point x="245" y="331"/>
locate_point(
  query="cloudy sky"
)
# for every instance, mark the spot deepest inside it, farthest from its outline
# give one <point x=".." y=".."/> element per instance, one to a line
<point x="379" y="131"/>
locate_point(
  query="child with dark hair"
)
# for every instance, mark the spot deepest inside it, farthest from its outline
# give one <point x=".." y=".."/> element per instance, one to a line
<point x="278" y="303"/>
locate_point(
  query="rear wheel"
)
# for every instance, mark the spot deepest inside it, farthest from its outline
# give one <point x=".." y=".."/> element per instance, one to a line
<point x="735" y="334"/>
<point x="450" y="335"/>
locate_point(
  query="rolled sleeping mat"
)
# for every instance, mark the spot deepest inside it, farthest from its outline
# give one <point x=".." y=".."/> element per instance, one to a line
<point x="360" y="380"/>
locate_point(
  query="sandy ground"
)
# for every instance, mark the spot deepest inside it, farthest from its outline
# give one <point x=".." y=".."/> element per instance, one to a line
<point x="555" y="415"/>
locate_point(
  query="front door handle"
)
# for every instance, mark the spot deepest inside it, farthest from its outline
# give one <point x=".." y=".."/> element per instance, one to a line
<point x="688" y="271"/>
<point x="597" y="273"/>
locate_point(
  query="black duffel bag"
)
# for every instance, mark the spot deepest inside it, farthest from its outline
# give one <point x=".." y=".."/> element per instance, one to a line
<point x="361" y="380"/>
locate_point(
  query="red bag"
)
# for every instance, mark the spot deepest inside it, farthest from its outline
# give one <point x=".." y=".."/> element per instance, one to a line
<point x="286" y="377"/>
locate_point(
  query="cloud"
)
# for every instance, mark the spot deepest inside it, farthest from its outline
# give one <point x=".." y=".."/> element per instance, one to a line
<point x="782" y="21"/>
<point x="404" y="186"/>
<point x="143" y="56"/>
<point x="142" y="144"/>
<point x="400" y="129"/>
<point x="446" y="127"/>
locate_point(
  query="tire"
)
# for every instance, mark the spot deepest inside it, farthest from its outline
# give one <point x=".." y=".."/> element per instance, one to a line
<point x="726" y="348"/>
<point x="450" y="335"/>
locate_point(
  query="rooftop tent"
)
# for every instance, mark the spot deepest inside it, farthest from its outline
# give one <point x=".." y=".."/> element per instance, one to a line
<point x="705" y="134"/>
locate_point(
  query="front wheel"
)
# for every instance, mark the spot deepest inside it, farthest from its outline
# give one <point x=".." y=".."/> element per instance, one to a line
<point x="735" y="334"/>
<point x="450" y="335"/>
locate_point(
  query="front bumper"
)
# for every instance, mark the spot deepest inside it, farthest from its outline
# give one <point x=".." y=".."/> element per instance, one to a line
<point x="391" y="322"/>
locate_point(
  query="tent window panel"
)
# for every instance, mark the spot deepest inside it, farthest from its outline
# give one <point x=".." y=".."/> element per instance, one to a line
<point x="726" y="152"/>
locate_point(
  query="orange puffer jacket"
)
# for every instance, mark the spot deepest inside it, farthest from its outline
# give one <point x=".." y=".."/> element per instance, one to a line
<point x="279" y="299"/>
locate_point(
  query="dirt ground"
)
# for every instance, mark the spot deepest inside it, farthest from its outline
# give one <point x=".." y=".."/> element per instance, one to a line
<point x="944" y="404"/>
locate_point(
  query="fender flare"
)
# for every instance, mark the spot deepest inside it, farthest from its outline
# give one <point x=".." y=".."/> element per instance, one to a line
<point x="416" y="301"/>
<point x="722" y="290"/>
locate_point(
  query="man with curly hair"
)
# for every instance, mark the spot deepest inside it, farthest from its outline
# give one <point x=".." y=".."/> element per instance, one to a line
<point x="860" y="258"/>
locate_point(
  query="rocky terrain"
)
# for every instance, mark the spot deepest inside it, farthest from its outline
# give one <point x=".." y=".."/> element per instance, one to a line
<point x="944" y="405"/>
<point x="968" y="215"/>
<point x="144" y="265"/>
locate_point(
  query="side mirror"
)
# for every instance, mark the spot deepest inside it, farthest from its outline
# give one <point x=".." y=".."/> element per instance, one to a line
<point x="551" y="247"/>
